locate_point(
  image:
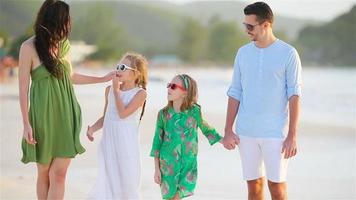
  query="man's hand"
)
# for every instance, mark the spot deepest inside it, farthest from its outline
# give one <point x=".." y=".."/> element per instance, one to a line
<point x="230" y="140"/>
<point x="289" y="147"/>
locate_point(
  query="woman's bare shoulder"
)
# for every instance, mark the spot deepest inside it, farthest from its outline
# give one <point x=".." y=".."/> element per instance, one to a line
<point x="29" y="44"/>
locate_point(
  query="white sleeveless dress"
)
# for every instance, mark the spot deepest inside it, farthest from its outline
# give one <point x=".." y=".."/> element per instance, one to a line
<point x="119" y="153"/>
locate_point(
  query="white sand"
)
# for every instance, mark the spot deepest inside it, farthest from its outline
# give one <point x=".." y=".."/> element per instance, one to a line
<point x="323" y="169"/>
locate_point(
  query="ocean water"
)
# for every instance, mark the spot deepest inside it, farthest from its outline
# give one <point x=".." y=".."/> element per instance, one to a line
<point x="328" y="94"/>
<point x="323" y="169"/>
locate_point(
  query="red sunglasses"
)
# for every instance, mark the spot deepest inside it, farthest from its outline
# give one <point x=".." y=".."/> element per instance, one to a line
<point x="174" y="86"/>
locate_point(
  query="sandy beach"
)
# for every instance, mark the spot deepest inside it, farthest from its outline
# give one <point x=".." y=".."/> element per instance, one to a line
<point x="323" y="169"/>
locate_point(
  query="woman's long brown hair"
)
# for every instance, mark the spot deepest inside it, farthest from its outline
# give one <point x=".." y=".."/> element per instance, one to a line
<point x="51" y="27"/>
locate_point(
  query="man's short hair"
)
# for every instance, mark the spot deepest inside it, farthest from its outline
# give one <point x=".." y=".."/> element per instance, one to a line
<point x="261" y="10"/>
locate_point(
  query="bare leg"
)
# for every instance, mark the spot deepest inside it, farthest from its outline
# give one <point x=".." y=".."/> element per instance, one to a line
<point x="176" y="197"/>
<point x="57" y="176"/>
<point x="255" y="189"/>
<point x="42" y="181"/>
<point x="278" y="190"/>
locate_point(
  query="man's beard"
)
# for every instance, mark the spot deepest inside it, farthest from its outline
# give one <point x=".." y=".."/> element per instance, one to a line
<point x="253" y="38"/>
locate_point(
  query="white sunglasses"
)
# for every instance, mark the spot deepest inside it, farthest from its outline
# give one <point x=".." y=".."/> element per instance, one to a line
<point x="123" y="67"/>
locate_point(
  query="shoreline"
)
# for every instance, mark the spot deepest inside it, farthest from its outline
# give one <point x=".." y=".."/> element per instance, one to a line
<point x="324" y="167"/>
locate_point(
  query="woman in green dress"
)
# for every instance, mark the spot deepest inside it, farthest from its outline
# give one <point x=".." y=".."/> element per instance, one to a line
<point x="175" y="144"/>
<point x="52" y="120"/>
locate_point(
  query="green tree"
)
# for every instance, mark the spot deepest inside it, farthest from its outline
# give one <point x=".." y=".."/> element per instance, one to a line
<point x="282" y="35"/>
<point x="333" y="43"/>
<point x="191" y="46"/>
<point x="98" y="27"/>
<point x="223" y="41"/>
<point x="16" y="44"/>
<point x="5" y="37"/>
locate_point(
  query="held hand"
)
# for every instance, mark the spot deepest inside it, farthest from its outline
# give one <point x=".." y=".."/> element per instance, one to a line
<point x="230" y="140"/>
<point x="109" y="76"/>
<point x="157" y="177"/>
<point x="90" y="134"/>
<point x="27" y="134"/>
<point x="289" y="147"/>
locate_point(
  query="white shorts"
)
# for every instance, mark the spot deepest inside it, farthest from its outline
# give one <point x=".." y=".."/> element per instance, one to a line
<point x="263" y="157"/>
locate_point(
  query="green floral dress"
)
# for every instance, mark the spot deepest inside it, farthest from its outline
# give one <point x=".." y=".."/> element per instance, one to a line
<point x="176" y="145"/>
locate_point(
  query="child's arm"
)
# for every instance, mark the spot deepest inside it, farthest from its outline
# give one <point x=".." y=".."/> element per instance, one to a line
<point x="210" y="132"/>
<point x="156" y="147"/>
<point x="158" y="137"/>
<point x="157" y="175"/>
<point x="95" y="127"/>
<point x="136" y="102"/>
<point x="99" y="123"/>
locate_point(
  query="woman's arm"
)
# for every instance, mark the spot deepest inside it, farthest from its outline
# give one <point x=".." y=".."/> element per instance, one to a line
<point x="25" y="62"/>
<point x="100" y="122"/>
<point x="80" y="79"/>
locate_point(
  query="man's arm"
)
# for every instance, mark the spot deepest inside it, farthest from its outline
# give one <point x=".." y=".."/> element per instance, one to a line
<point x="293" y="75"/>
<point x="230" y="137"/>
<point x="290" y="143"/>
<point x="235" y="92"/>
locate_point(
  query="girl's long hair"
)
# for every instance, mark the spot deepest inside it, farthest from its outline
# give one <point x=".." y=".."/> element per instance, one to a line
<point x="192" y="94"/>
<point x="139" y="62"/>
<point x="51" y="27"/>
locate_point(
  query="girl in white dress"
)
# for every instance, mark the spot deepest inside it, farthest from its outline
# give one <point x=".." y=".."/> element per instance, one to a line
<point x="119" y="154"/>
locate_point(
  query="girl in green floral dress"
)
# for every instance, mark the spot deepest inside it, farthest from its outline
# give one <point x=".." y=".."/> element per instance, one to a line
<point x="175" y="144"/>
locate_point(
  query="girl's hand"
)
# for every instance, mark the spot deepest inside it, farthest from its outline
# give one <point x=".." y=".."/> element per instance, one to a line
<point x="109" y="76"/>
<point x="116" y="84"/>
<point x="157" y="177"/>
<point x="90" y="134"/>
<point x="27" y="134"/>
<point x="230" y="140"/>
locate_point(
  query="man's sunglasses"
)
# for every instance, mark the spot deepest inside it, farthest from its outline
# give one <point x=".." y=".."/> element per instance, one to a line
<point x="123" y="67"/>
<point x="174" y="86"/>
<point x="250" y="27"/>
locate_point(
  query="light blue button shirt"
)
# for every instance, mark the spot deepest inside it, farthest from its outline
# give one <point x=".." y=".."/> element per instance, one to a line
<point x="263" y="81"/>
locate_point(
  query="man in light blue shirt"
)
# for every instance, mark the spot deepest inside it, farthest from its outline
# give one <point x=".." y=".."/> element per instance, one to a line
<point x="267" y="77"/>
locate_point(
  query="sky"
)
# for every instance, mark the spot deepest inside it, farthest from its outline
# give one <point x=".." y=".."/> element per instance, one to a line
<point x="324" y="10"/>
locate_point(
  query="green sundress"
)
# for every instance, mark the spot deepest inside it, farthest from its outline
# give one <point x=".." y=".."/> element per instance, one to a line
<point x="54" y="114"/>
<point x="176" y="145"/>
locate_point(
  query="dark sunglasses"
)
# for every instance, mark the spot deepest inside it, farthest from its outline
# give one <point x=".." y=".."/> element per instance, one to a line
<point x="123" y="67"/>
<point x="251" y="27"/>
<point x="174" y="86"/>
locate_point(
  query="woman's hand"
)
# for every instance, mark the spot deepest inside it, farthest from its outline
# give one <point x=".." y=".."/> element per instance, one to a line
<point x="109" y="76"/>
<point x="85" y="79"/>
<point x="90" y="133"/>
<point x="27" y="134"/>
<point x="157" y="177"/>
